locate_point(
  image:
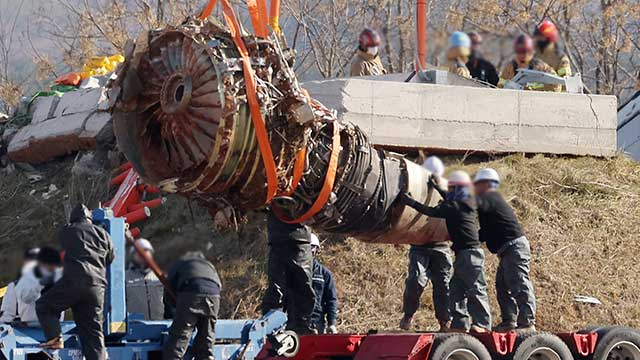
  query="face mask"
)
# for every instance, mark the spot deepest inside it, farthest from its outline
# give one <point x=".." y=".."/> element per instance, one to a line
<point x="45" y="272"/>
<point x="373" y="51"/>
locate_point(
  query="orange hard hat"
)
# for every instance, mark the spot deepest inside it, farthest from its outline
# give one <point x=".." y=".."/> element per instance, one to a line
<point x="548" y="30"/>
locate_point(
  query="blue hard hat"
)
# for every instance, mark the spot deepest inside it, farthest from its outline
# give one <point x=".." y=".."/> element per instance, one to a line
<point x="459" y="39"/>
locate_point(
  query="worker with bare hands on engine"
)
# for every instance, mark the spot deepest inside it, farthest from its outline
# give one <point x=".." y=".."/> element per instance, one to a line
<point x="468" y="288"/>
<point x="501" y="231"/>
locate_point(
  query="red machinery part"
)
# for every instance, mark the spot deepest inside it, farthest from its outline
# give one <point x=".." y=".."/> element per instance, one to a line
<point x="137" y="215"/>
<point x="320" y="347"/>
<point x="151" y="204"/>
<point x="396" y="346"/>
<point x="497" y="343"/>
<point x="583" y="344"/>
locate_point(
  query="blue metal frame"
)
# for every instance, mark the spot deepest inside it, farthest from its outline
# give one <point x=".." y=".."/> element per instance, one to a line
<point x="129" y="337"/>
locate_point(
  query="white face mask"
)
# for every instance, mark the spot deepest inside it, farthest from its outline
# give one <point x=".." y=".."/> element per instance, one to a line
<point x="373" y="51"/>
<point x="45" y="272"/>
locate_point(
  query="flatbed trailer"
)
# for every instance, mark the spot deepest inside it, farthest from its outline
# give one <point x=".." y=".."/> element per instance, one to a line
<point x="598" y="343"/>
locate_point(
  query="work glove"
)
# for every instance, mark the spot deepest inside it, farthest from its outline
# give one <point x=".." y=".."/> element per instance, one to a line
<point x="432" y="182"/>
<point x="332" y="329"/>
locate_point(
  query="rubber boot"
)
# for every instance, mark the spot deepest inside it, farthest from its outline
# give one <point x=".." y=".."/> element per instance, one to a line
<point x="405" y="323"/>
<point x="505" y="326"/>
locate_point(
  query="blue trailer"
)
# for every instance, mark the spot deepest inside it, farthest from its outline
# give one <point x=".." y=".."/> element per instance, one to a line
<point x="128" y="336"/>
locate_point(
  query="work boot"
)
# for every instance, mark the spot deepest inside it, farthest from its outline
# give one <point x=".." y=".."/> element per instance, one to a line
<point x="505" y="326"/>
<point x="405" y="323"/>
<point x="457" y="330"/>
<point x="445" y="326"/>
<point x="54" y="344"/>
<point x="478" y="330"/>
<point x="526" y="328"/>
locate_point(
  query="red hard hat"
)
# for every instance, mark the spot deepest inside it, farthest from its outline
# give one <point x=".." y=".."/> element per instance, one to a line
<point x="522" y="44"/>
<point x="368" y="38"/>
<point x="548" y="30"/>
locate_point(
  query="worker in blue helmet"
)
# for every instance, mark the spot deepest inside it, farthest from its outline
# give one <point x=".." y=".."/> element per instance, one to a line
<point x="458" y="54"/>
<point x="501" y="231"/>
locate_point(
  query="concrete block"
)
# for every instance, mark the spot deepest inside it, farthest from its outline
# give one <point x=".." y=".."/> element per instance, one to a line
<point x="462" y="118"/>
<point x="82" y="100"/>
<point x="44" y="108"/>
<point x="37" y="143"/>
<point x="97" y="128"/>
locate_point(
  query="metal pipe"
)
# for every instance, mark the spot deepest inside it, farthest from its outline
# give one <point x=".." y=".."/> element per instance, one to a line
<point x="421" y="31"/>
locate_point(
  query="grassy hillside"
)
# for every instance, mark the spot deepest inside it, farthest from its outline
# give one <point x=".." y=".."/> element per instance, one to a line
<point x="582" y="216"/>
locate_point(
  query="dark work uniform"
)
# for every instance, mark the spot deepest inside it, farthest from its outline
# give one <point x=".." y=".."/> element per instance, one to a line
<point x="467" y="288"/>
<point x="483" y="70"/>
<point x="326" y="300"/>
<point x="290" y="271"/>
<point x="196" y="284"/>
<point x="87" y="253"/>
<point x="501" y="231"/>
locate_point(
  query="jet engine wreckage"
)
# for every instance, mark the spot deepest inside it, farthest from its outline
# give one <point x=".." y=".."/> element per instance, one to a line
<point x="184" y="117"/>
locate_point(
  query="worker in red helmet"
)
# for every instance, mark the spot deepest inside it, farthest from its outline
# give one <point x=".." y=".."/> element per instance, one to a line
<point x="367" y="59"/>
<point x="548" y="50"/>
<point x="524" y="59"/>
<point x="479" y="67"/>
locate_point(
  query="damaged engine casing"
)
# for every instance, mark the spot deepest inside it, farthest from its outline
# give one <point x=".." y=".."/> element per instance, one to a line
<point x="182" y="118"/>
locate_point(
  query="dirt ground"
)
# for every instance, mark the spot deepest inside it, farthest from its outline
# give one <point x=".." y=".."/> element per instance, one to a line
<point x="582" y="216"/>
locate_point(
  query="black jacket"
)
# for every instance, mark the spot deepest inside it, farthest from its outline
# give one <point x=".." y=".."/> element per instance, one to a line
<point x="192" y="266"/>
<point x="461" y="217"/>
<point x="326" y="305"/>
<point x="281" y="233"/>
<point x="87" y="249"/>
<point x="481" y="69"/>
<point x="498" y="221"/>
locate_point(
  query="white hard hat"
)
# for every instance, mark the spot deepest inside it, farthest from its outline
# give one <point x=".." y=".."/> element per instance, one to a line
<point x="315" y="241"/>
<point x="487" y="174"/>
<point x="459" y="178"/>
<point x="434" y="165"/>
<point x="144" y="244"/>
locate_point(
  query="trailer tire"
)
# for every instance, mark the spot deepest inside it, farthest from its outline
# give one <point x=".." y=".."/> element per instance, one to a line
<point x="617" y="343"/>
<point x="458" y="347"/>
<point x="541" y="346"/>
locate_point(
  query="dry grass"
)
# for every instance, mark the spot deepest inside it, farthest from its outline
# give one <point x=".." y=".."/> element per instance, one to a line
<point x="582" y="216"/>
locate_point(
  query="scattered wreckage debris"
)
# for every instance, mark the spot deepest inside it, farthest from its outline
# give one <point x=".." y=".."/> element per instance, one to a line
<point x="61" y="125"/>
<point x="188" y="113"/>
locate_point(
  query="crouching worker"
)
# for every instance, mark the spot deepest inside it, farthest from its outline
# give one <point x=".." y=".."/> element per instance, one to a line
<point x="196" y="285"/>
<point x="325" y="310"/>
<point x="501" y="231"/>
<point x="431" y="261"/>
<point x="144" y="289"/>
<point x="37" y="281"/>
<point x="468" y="288"/>
<point x="88" y="252"/>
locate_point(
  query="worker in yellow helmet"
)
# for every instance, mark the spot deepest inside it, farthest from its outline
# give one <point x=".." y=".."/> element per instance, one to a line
<point x="458" y="54"/>
<point x="523" y="49"/>
<point x="548" y="50"/>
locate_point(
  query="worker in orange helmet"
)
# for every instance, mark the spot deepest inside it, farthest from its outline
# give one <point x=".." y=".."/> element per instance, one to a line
<point x="524" y="59"/>
<point x="367" y="60"/>
<point x="548" y="50"/>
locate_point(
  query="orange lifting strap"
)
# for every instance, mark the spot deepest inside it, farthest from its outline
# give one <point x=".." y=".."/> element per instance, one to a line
<point x="329" y="179"/>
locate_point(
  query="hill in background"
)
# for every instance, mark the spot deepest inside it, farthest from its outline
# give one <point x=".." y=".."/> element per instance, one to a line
<point x="582" y="216"/>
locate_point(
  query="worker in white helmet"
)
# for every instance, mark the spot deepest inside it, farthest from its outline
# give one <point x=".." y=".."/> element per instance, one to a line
<point x="501" y="231"/>
<point x="468" y="287"/>
<point x="144" y="291"/>
<point x="325" y="309"/>
<point x="429" y="262"/>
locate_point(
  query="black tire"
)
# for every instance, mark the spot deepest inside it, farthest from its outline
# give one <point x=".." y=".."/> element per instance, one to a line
<point x="458" y="347"/>
<point x="541" y="346"/>
<point x="617" y="343"/>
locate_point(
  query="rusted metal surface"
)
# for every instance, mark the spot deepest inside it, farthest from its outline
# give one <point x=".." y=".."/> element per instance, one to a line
<point x="181" y="116"/>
